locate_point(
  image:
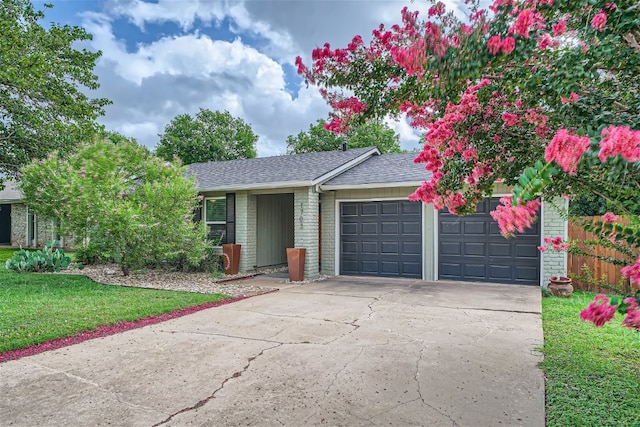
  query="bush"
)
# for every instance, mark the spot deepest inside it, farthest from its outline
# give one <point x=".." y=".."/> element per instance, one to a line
<point x="47" y="259"/>
<point x="91" y="254"/>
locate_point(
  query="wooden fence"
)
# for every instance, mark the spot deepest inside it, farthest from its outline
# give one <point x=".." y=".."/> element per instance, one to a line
<point x="606" y="276"/>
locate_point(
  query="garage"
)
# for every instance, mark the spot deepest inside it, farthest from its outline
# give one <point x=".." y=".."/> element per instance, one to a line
<point x="381" y="238"/>
<point x="471" y="248"/>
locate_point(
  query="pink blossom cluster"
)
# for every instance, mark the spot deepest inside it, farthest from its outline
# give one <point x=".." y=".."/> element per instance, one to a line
<point x="599" y="311"/>
<point x="609" y="217"/>
<point x="512" y="218"/>
<point x="572" y="98"/>
<point x="599" y="21"/>
<point x="496" y="45"/>
<point x="632" y="272"/>
<point x="556" y="243"/>
<point x="566" y="149"/>
<point x="620" y="140"/>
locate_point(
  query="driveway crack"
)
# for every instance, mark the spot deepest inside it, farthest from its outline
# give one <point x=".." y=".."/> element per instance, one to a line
<point x="204" y="401"/>
<point x="419" y="389"/>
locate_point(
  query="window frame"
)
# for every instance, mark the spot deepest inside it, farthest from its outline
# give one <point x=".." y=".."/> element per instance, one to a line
<point x="207" y="223"/>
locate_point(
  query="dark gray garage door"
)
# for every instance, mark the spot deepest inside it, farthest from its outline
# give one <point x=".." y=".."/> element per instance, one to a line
<point x="471" y="248"/>
<point x="381" y="238"/>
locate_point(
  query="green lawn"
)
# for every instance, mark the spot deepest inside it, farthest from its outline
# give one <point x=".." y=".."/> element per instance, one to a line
<point x="593" y="374"/>
<point x="41" y="307"/>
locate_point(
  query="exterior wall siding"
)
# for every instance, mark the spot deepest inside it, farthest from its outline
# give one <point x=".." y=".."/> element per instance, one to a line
<point x="553" y="224"/>
<point x="246" y="222"/>
<point x="306" y="222"/>
<point x="328" y="236"/>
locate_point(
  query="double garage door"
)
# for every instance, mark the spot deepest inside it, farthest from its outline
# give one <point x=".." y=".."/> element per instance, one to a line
<point x="384" y="238"/>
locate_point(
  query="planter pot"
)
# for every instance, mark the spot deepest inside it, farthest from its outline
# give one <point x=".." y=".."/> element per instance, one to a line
<point x="231" y="258"/>
<point x="560" y="286"/>
<point x="295" y="261"/>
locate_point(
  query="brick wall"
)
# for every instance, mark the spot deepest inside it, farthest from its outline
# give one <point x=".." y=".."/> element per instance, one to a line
<point x="553" y="224"/>
<point x="305" y="217"/>
<point x="329" y="244"/>
<point x="246" y="223"/>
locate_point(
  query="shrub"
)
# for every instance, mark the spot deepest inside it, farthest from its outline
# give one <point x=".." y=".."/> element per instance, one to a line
<point x="46" y="259"/>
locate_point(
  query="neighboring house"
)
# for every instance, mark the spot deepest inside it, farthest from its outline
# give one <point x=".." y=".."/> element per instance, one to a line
<point x="349" y="209"/>
<point x="20" y="227"/>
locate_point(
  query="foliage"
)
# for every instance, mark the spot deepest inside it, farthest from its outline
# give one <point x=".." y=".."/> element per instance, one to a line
<point x="591" y="373"/>
<point x="123" y="202"/>
<point x="209" y="136"/>
<point x="317" y="138"/>
<point x="43" y="85"/>
<point x="48" y="259"/>
<point x="542" y="95"/>
<point x="38" y="308"/>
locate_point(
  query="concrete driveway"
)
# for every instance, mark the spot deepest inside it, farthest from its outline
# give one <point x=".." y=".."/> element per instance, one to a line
<point x="345" y="351"/>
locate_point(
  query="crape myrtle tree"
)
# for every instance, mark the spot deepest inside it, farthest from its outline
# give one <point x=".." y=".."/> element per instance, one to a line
<point x="118" y="200"/>
<point x="542" y="95"/>
<point x="44" y="79"/>
<point x="209" y="136"/>
<point x="370" y="134"/>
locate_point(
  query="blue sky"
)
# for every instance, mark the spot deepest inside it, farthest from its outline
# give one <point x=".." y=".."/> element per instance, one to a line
<point x="167" y="57"/>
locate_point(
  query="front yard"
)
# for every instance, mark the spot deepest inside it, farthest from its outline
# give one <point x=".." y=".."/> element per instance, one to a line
<point x="41" y="307"/>
<point x="592" y="374"/>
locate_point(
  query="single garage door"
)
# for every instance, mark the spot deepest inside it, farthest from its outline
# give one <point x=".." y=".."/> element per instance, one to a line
<point x="472" y="248"/>
<point x="381" y="238"/>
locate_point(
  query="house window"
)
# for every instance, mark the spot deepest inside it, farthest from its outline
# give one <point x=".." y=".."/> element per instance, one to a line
<point x="215" y="214"/>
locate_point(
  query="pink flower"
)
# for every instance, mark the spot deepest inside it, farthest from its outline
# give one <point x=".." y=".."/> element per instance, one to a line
<point x="620" y="140"/>
<point x="566" y="150"/>
<point x="494" y="44"/>
<point x="542" y="249"/>
<point x="609" y="217"/>
<point x="632" y="320"/>
<point x="557" y="243"/>
<point x="523" y="23"/>
<point x="559" y="28"/>
<point x="509" y="119"/>
<point x="599" y="21"/>
<point x="515" y="218"/>
<point x="632" y="272"/>
<point x="572" y="98"/>
<point x="599" y="311"/>
<point x="508" y="44"/>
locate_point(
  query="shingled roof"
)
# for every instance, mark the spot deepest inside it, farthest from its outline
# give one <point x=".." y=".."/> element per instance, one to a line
<point x="296" y="170"/>
<point x="387" y="170"/>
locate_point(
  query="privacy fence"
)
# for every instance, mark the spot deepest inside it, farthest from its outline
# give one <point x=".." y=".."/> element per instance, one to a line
<point x="590" y="273"/>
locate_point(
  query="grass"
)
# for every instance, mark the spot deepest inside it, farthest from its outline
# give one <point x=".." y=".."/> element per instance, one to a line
<point x="593" y="374"/>
<point x="37" y="308"/>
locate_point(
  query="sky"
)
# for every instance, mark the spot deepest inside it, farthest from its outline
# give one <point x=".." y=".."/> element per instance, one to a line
<point x="163" y="58"/>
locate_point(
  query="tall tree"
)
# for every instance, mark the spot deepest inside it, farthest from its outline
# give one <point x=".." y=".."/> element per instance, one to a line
<point x="318" y="138"/>
<point x="42" y="105"/>
<point x="209" y="136"/>
<point x="119" y="200"/>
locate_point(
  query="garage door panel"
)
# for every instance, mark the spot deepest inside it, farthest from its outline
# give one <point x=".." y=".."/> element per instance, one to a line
<point x="386" y="240"/>
<point x="411" y="248"/>
<point x="369" y="248"/>
<point x="370" y="228"/>
<point x="479" y="246"/>
<point x="475" y="227"/>
<point x="349" y="229"/>
<point x="450" y="248"/>
<point x="392" y="228"/>
<point x="389" y="208"/>
<point x="475" y="249"/>
<point x="414" y="228"/>
<point x="450" y="227"/>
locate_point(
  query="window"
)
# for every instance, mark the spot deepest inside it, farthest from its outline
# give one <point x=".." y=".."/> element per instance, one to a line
<point x="215" y="214"/>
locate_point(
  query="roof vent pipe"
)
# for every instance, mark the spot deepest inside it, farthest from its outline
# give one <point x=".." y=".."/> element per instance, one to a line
<point x="344" y="145"/>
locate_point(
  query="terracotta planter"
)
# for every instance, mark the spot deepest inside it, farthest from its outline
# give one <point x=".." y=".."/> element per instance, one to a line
<point x="231" y="258"/>
<point x="295" y="261"/>
<point x="560" y="286"/>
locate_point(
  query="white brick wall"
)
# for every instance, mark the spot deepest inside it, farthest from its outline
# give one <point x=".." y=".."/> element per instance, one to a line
<point x="305" y="216"/>
<point x="44" y="228"/>
<point x="328" y="260"/>
<point x="553" y="224"/>
<point x="246" y="223"/>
